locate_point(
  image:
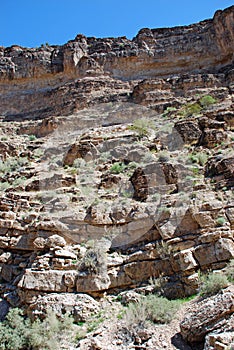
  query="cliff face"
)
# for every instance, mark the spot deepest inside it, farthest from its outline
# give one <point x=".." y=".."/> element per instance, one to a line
<point x="36" y="77"/>
<point x="206" y="46"/>
<point x="108" y="181"/>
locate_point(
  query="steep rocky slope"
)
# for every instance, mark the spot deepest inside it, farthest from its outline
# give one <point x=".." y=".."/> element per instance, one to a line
<point x="109" y="181"/>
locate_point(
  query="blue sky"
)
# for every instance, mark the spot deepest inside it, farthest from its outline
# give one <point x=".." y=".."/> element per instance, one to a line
<point x="33" y="22"/>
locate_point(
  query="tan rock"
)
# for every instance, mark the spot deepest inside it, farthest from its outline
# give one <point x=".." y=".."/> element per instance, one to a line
<point x="63" y="253"/>
<point x="55" y="241"/>
<point x="220" y="341"/>
<point x="80" y="306"/>
<point x="209" y="315"/>
<point x="48" y="281"/>
<point x="183" y="261"/>
<point x="224" y="249"/>
<point x="204" y="219"/>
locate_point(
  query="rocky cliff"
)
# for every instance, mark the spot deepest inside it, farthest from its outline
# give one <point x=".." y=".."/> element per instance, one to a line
<point x="49" y="80"/>
<point x="117" y="166"/>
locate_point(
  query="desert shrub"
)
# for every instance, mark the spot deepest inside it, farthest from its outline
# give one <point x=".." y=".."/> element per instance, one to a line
<point x="19" y="181"/>
<point x="220" y="221"/>
<point x="202" y="158"/>
<point x="212" y="283"/>
<point x="32" y="137"/>
<point x="168" y="111"/>
<point x="14" y="331"/>
<point x="94" y="259"/>
<point x="207" y="101"/>
<point x="18" y="333"/>
<point x="163" y="248"/>
<point x="191" y="109"/>
<point x="4" y="186"/>
<point x="152" y="308"/>
<point x="117" y="168"/>
<point x="48" y="334"/>
<point x="163" y="156"/>
<point x="12" y="164"/>
<point x="159" y="284"/>
<point x="149" y="157"/>
<point x="142" y="127"/>
<point x="199" y="158"/>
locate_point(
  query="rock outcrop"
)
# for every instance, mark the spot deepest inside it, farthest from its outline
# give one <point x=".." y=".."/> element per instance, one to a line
<point x="43" y="78"/>
<point x="209" y="319"/>
<point x="116" y="170"/>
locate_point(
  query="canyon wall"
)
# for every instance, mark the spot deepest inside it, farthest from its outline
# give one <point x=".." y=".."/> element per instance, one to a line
<point x="37" y="77"/>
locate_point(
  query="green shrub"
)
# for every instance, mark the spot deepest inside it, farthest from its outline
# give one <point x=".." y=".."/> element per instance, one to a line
<point x="191" y="109"/>
<point x="207" y="101"/>
<point x="142" y="127"/>
<point x="212" y="283"/>
<point x="32" y="137"/>
<point x="117" y="168"/>
<point x="18" y="333"/>
<point x="151" y="308"/>
<point x="199" y="158"/>
<point x="14" y="331"/>
<point x="220" y="221"/>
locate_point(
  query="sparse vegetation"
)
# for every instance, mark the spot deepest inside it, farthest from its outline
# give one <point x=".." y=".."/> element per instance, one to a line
<point x="163" y="156"/>
<point x="18" y="332"/>
<point x="117" y="168"/>
<point x="207" y="101"/>
<point x="163" y="248"/>
<point x="199" y="158"/>
<point x="32" y="137"/>
<point x="151" y="308"/>
<point x="142" y="127"/>
<point x="94" y="260"/>
<point x="12" y="164"/>
<point x="4" y="186"/>
<point x="212" y="283"/>
<point x="220" y="221"/>
<point x="229" y="271"/>
<point x="191" y="109"/>
<point x="195" y="108"/>
<point x="168" y="111"/>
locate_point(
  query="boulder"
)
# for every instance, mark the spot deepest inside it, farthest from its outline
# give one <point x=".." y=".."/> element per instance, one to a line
<point x="209" y="315"/>
<point x="221" y="169"/>
<point x="219" y="341"/>
<point x="79" y="306"/>
<point x="212" y="137"/>
<point x="189" y="131"/>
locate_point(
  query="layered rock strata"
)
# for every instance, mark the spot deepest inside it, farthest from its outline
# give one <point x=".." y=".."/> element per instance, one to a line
<point x="110" y="182"/>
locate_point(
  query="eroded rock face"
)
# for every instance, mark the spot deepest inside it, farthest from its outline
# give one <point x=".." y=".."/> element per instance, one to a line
<point x="212" y="314"/>
<point x="196" y="47"/>
<point x="90" y="202"/>
<point x="204" y="47"/>
<point x="221" y="170"/>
